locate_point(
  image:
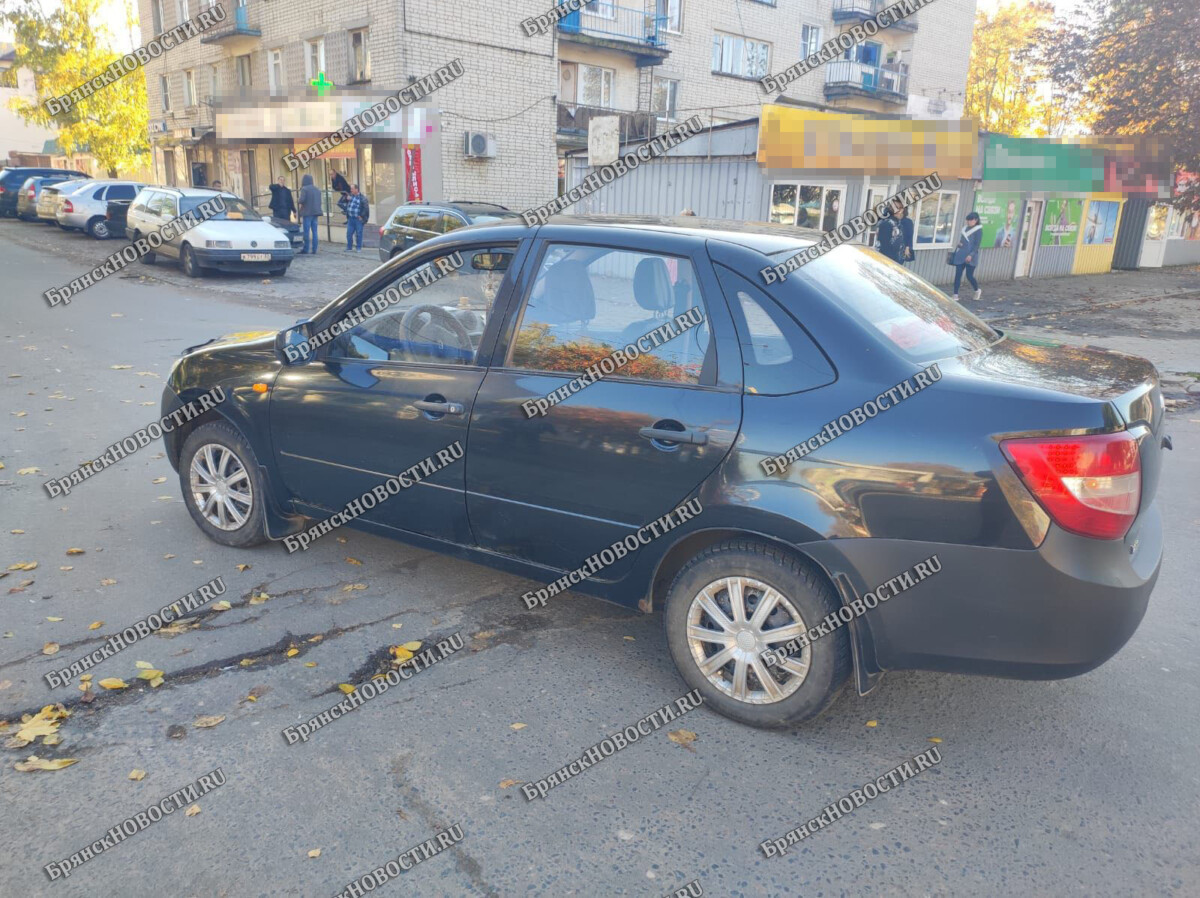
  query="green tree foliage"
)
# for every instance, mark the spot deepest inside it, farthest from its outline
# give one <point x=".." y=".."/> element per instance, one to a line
<point x="64" y="50"/>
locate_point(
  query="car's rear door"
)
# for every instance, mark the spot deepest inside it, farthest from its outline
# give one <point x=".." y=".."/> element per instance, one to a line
<point x="555" y="488"/>
<point x="387" y="393"/>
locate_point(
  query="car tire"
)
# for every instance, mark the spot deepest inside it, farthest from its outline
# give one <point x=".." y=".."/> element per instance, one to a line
<point x="145" y="258"/>
<point x="801" y="599"/>
<point x="231" y="520"/>
<point x="98" y="228"/>
<point x="187" y="260"/>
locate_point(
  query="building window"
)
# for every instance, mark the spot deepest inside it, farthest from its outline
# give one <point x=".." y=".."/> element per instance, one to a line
<point x="189" y="88"/>
<point x="740" y="56"/>
<point x="164" y="87"/>
<point x="672" y="15"/>
<point x="314" y="58"/>
<point x="156" y="14"/>
<point x="360" y="56"/>
<point x="595" y="87"/>
<point x="807" y="205"/>
<point x="275" y="70"/>
<point x="243" y="70"/>
<point x="182" y="7"/>
<point x="935" y="218"/>
<point x="810" y="40"/>
<point x="666" y="98"/>
<point x="214" y="83"/>
<point x="605" y="9"/>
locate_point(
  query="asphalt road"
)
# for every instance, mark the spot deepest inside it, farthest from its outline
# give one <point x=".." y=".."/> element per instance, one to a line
<point x="1082" y="787"/>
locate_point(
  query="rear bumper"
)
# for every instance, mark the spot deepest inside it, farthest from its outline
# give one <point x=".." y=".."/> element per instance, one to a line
<point x="75" y="219"/>
<point x="1056" y="611"/>
<point x="231" y="259"/>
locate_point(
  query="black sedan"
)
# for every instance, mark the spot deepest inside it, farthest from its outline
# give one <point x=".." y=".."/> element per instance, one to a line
<point x="829" y="476"/>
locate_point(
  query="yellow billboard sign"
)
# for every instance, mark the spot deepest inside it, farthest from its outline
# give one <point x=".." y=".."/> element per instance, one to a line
<point x="791" y="139"/>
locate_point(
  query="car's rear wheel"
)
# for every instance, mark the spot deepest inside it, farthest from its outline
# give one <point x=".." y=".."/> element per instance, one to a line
<point x="735" y="601"/>
<point x="191" y="267"/>
<point x="222" y="485"/>
<point x="98" y="228"/>
<point x="146" y="258"/>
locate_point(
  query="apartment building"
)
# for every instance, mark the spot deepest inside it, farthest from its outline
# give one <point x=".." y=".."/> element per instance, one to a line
<point x="276" y="76"/>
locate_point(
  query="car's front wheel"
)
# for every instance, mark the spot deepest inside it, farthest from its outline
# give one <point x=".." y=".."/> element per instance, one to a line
<point x="222" y="485"/>
<point x="190" y="266"/>
<point x="735" y="605"/>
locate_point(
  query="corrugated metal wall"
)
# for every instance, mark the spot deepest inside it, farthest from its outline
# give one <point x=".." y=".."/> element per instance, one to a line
<point x="1128" y="242"/>
<point x="1053" y="261"/>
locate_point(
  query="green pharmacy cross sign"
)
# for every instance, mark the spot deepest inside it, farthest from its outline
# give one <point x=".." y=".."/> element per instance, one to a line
<point x="323" y="87"/>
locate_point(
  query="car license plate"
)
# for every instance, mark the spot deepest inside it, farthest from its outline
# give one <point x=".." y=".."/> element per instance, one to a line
<point x="256" y="257"/>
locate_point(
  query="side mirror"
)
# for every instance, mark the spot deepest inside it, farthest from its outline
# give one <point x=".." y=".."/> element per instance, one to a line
<point x="292" y="344"/>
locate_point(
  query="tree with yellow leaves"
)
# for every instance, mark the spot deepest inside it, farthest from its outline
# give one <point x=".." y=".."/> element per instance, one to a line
<point x="1004" y="78"/>
<point x="64" y="50"/>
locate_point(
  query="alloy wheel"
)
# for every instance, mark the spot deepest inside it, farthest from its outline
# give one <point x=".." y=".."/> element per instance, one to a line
<point x="730" y="623"/>
<point x="220" y="486"/>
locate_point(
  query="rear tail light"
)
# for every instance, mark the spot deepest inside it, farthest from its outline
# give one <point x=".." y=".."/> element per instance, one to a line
<point x="32" y="192"/>
<point x="67" y="207"/>
<point x="381" y="230"/>
<point x="1089" y="485"/>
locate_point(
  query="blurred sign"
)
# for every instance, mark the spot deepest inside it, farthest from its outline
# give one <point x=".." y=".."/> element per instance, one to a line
<point x="344" y="150"/>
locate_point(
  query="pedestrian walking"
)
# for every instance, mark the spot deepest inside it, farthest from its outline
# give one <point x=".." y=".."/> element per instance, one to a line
<point x="358" y="210"/>
<point x="904" y="239"/>
<point x="966" y="255"/>
<point x="282" y="205"/>
<point x="310" y="211"/>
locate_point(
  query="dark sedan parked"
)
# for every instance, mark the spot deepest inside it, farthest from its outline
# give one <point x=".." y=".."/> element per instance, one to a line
<point x="414" y="223"/>
<point x="958" y="499"/>
<point x="12" y="177"/>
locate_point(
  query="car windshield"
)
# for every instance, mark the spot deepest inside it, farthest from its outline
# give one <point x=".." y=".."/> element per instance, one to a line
<point x="922" y="322"/>
<point x="235" y="209"/>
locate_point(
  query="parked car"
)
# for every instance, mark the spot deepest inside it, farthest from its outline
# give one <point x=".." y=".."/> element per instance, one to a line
<point x="1018" y="483"/>
<point x="115" y="215"/>
<point x="413" y="223"/>
<point x="85" y="207"/>
<point x="32" y="191"/>
<point x="50" y="192"/>
<point x="237" y="239"/>
<point x="13" y="176"/>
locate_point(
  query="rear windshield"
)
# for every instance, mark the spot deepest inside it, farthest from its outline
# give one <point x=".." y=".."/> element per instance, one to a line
<point x="917" y="318"/>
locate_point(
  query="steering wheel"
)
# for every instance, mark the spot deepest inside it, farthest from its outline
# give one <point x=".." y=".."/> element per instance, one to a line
<point x="440" y="324"/>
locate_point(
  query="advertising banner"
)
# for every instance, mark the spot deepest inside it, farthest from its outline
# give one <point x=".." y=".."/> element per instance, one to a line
<point x="1060" y="225"/>
<point x="998" y="214"/>
<point x="1101" y="224"/>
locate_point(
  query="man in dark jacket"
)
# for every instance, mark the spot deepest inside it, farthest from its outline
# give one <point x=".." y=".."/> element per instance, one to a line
<point x="966" y="254"/>
<point x="904" y="240"/>
<point x="282" y="205"/>
<point x="358" y="210"/>
<point x="310" y="211"/>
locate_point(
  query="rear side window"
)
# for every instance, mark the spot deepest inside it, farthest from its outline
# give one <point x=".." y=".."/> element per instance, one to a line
<point x="778" y="356"/>
<point x="918" y="319"/>
<point x="429" y="221"/>
<point x="406" y="219"/>
<point x="451" y="223"/>
<point x="99" y="193"/>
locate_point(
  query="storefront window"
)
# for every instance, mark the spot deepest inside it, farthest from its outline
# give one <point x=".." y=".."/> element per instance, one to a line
<point x="1156" y="223"/>
<point x="935" y="218"/>
<point x="807" y="205"/>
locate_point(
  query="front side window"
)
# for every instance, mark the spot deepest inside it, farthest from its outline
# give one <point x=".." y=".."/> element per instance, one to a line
<point x="169" y="208"/>
<point x="935" y="218"/>
<point x="917" y="318"/>
<point x="451" y="223"/>
<point x="740" y="56"/>
<point x="588" y="300"/>
<point x="440" y="322"/>
<point x="429" y="221"/>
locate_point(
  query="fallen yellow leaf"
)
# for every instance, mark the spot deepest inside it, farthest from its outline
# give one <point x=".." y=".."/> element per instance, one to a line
<point x="353" y="586"/>
<point x="85" y="678"/>
<point x="317" y="638"/>
<point x="120" y="367"/>
<point x="67" y="567"/>
<point x="96" y="625"/>
<point x="52" y="739"/>
<point x="14" y="531"/>
<point x="310" y="663"/>
<point x="143" y="665"/>
<point x="516" y="726"/>
<point x="316" y="852"/>
<point x="156" y="682"/>
<point x="54" y="619"/>
<point x="412" y="646"/>
<point x="168" y="555"/>
<point x="208" y="721"/>
<point x="346" y="688"/>
<point x="29" y="470"/>
<point x="222" y="605"/>
<point x="934" y="739"/>
<point x="683" y="737"/>
<point x="114" y="683"/>
<point x="108" y="581"/>
<point x="159" y="480"/>
<point x="192" y="811"/>
<point x="291" y="653"/>
<point x="401" y="654"/>
<point x="872" y="723"/>
<point x="350" y="560"/>
<point x="36" y="763"/>
<point x="150" y="674"/>
<point x="243" y="567"/>
<point x="246" y="662"/>
<point x="50" y="648"/>
<point x="258" y="598"/>
<point x="137" y="774"/>
<point x="504" y="784"/>
<point x="75" y="551"/>
<point x="23" y="566"/>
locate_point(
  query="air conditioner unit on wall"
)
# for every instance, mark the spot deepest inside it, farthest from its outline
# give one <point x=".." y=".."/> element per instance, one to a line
<point x="478" y="145"/>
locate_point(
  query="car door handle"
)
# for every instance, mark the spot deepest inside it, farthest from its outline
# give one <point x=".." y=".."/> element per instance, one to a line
<point x="440" y="408"/>
<point x="662" y="435"/>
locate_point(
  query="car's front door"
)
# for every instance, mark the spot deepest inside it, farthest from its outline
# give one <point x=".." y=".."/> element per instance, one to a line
<point x="393" y="389"/>
<point x="168" y="211"/>
<point x="558" y="487"/>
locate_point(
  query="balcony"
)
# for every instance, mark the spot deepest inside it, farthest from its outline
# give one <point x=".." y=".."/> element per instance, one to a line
<point x="613" y="27"/>
<point x="238" y="37"/>
<point x="573" y="121"/>
<point x="849" y="12"/>
<point x="847" y="79"/>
